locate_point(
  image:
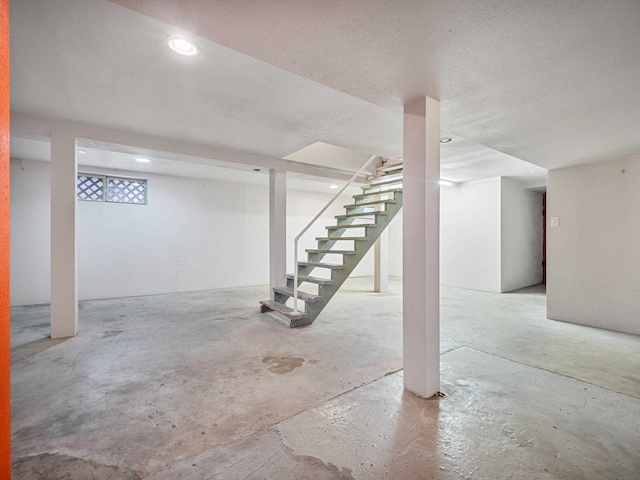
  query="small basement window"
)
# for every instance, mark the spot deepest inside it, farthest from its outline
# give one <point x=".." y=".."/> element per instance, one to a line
<point x="90" y="188"/>
<point x="103" y="188"/>
<point x="127" y="190"/>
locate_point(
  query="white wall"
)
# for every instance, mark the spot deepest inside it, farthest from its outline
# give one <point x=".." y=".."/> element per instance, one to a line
<point x="593" y="256"/>
<point x="490" y="235"/>
<point x="219" y="229"/>
<point x="30" y="233"/>
<point x="522" y="233"/>
<point x="470" y="235"/>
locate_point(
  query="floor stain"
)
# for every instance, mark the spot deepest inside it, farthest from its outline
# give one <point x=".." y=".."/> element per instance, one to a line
<point x="282" y="365"/>
<point x="55" y="466"/>
<point x="111" y="333"/>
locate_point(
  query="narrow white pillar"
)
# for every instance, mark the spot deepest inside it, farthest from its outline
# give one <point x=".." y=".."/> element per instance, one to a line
<point x="421" y="246"/>
<point x="381" y="263"/>
<point x="64" y="272"/>
<point x="277" y="228"/>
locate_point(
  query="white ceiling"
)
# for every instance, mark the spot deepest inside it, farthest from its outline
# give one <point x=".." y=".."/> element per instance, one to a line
<point x="553" y="82"/>
<point x="98" y="62"/>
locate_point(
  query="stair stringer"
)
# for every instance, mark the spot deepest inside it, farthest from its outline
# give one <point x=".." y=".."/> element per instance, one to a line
<point x="350" y="262"/>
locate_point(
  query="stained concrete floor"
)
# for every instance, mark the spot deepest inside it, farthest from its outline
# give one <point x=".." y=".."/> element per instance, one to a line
<point x="201" y="386"/>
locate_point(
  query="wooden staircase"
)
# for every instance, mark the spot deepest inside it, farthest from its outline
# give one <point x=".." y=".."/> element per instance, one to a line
<point x="363" y="222"/>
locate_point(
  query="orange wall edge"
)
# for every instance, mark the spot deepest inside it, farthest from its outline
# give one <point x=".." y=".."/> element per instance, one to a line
<point x="5" y="362"/>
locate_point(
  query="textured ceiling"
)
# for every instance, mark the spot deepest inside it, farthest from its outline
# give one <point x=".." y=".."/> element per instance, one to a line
<point x="553" y="82"/>
<point x="98" y="62"/>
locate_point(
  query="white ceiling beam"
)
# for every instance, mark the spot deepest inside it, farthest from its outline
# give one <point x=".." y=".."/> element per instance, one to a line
<point x="32" y="126"/>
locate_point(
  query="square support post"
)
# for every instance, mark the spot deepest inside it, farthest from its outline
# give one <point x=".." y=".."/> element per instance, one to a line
<point x="277" y="229"/>
<point x="421" y="246"/>
<point x="64" y="269"/>
<point x="381" y="263"/>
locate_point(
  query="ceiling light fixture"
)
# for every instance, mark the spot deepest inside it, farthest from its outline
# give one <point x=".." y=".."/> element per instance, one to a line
<point x="333" y="187"/>
<point x="143" y="160"/>
<point x="182" y="46"/>
<point x="82" y="151"/>
<point x="445" y="182"/>
<point x="446" y="140"/>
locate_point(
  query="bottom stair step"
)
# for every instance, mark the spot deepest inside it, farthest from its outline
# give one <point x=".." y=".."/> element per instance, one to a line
<point x="304" y="296"/>
<point x="282" y="309"/>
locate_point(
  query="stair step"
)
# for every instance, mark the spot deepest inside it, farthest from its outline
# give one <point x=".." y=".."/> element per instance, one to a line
<point x="376" y="202"/>
<point x="330" y="266"/>
<point x="385" y="178"/>
<point x="382" y="184"/>
<point x="374" y="194"/>
<point x="283" y="309"/>
<point x="328" y="239"/>
<point x="360" y="214"/>
<point x="337" y="252"/>
<point x="362" y="225"/>
<point x="307" y="278"/>
<point x="304" y="296"/>
<point x="390" y="168"/>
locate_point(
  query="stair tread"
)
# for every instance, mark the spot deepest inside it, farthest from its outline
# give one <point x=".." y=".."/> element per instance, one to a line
<point x="360" y="214"/>
<point x="326" y="239"/>
<point x="283" y="309"/>
<point x="332" y="266"/>
<point x="382" y="184"/>
<point x="373" y="194"/>
<point x="387" y="176"/>
<point x="310" y="279"/>
<point x="362" y="225"/>
<point x="324" y="250"/>
<point x="307" y="297"/>
<point x="365" y="204"/>
<point x="390" y="168"/>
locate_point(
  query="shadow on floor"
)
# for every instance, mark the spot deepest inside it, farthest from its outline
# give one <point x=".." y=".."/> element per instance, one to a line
<point x="27" y="350"/>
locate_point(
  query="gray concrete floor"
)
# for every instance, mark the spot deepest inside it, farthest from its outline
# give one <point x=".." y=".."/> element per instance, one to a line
<point x="201" y="386"/>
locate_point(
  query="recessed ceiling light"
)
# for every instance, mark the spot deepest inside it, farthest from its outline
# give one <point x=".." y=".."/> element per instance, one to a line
<point x="143" y="160"/>
<point x="445" y="182"/>
<point x="537" y="171"/>
<point x="82" y="151"/>
<point x="333" y="187"/>
<point x="182" y="46"/>
<point x="446" y="140"/>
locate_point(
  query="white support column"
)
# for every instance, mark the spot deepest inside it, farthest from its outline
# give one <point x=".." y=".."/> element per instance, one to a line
<point x="421" y="246"/>
<point x="64" y="272"/>
<point x="277" y="228"/>
<point x="381" y="263"/>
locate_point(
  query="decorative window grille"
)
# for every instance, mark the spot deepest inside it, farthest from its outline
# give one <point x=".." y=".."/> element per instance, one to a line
<point x="90" y="188"/>
<point x="97" y="188"/>
<point x="126" y="190"/>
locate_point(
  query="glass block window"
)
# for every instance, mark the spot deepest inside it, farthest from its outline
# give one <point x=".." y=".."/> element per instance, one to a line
<point x="90" y="188"/>
<point x="126" y="190"/>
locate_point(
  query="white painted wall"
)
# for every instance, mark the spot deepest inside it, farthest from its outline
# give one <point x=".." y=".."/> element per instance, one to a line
<point x="30" y="232"/>
<point x="593" y="256"/>
<point x="219" y="229"/>
<point x="521" y="241"/>
<point x="470" y="235"/>
<point x="491" y="235"/>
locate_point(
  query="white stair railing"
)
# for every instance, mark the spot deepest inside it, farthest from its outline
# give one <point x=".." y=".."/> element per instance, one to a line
<point x="304" y="230"/>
